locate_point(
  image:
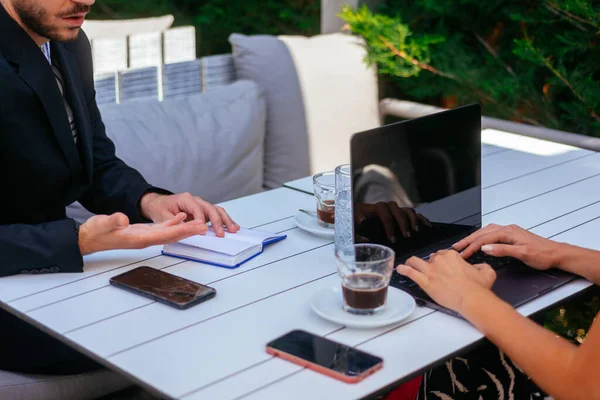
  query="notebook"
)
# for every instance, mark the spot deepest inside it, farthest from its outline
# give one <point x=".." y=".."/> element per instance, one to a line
<point x="230" y="252"/>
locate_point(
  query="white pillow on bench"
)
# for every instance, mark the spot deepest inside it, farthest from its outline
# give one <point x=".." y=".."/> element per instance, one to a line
<point x="319" y="92"/>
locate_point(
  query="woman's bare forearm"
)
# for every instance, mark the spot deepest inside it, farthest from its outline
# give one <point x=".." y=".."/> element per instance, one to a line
<point x="552" y="362"/>
<point x="580" y="261"/>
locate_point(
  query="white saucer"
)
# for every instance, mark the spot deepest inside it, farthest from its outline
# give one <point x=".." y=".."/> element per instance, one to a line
<point x="309" y="224"/>
<point x="328" y="304"/>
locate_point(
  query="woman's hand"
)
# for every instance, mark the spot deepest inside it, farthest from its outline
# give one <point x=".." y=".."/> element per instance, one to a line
<point x="512" y="241"/>
<point x="448" y="279"/>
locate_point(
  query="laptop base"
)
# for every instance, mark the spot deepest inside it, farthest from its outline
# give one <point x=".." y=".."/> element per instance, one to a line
<point x="516" y="283"/>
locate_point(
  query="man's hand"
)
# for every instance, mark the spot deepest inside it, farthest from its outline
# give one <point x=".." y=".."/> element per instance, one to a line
<point x="160" y="208"/>
<point x="110" y="232"/>
<point x="448" y="279"/>
<point x="512" y="241"/>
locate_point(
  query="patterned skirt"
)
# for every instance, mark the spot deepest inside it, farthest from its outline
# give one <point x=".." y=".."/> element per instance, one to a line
<point x="486" y="373"/>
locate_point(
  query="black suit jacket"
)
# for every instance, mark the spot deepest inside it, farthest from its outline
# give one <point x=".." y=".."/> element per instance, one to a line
<point x="42" y="170"/>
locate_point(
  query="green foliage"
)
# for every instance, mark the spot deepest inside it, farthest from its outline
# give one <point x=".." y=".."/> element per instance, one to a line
<point x="381" y="27"/>
<point x="215" y="20"/>
<point x="534" y="61"/>
<point x="573" y="320"/>
<point x="121" y="9"/>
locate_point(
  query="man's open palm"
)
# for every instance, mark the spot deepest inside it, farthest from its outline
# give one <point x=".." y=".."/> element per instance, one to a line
<point x="110" y="232"/>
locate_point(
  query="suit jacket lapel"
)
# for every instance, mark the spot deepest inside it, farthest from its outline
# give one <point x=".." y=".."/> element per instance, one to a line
<point x="74" y="92"/>
<point x="35" y="71"/>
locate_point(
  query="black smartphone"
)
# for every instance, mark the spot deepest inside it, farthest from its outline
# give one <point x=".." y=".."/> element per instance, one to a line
<point x="325" y="356"/>
<point x="163" y="287"/>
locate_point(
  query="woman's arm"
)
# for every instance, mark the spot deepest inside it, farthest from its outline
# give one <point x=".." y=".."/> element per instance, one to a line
<point x="580" y="261"/>
<point x="562" y="369"/>
<point x="557" y="366"/>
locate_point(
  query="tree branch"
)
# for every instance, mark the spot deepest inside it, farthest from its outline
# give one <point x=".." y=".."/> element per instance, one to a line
<point x="455" y="78"/>
<point x="494" y="53"/>
<point x="565" y="17"/>
<point x="406" y="57"/>
<point x="572" y="16"/>
<point x="556" y="73"/>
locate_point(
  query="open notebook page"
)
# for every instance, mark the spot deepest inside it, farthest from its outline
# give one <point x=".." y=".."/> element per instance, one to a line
<point x="231" y="244"/>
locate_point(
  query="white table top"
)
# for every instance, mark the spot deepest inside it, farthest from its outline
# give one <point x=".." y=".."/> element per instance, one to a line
<point x="217" y="349"/>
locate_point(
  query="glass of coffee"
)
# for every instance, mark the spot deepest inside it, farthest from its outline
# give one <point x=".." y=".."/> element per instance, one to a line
<point x="365" y="270"/>
<point x="324" y="188"/>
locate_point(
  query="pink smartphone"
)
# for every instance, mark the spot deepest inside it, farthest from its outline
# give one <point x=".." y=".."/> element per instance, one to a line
<point x="325" y="356"/>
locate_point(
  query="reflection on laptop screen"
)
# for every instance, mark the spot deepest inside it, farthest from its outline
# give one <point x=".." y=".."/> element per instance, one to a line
<point x="417" y="184"/>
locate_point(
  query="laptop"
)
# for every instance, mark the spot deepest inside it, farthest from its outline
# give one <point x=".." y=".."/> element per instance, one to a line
<point x="429" y="168"/>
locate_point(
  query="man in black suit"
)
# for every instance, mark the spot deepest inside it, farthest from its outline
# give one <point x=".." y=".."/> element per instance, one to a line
<point x="54" y="151"/>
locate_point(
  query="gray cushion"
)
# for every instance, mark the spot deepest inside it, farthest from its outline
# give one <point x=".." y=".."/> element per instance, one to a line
<point x="267" y="61"/>
<point x="210" y="144"/>
<point x="91" y="385"/>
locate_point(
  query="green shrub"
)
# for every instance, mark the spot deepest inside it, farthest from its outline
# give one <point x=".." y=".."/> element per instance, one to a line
<point x="534" y="61"/>
<point x="573" y="319"/>
<point x="215" y="20"/>
<point x="122" y="9"/>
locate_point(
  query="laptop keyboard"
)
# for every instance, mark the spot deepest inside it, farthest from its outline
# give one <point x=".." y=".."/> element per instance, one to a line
<point x="480" y="257"/>
<point x="495" y="262"/>
<point x="398" y="279"/>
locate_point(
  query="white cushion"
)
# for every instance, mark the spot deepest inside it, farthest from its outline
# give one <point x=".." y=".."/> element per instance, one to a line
<point x="340" y="94"/>
<point x="15" y="386"/>
<point x="95" y="29"/>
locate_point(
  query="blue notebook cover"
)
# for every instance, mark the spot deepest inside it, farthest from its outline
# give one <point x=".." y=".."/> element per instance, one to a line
<point x="275" y="238"/>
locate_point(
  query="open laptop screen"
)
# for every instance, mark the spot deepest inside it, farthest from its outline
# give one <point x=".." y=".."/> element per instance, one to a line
<point x="416" y="184"/>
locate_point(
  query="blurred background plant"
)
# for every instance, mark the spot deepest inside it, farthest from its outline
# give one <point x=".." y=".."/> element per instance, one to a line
<point x="534" y="61"/>
<point x="573" y="319"/>
<point x="215" y="20"/>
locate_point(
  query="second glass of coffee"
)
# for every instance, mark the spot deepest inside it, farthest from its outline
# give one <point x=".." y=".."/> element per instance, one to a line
<point x="365" y="270"/>
<point x="324" y="188"/>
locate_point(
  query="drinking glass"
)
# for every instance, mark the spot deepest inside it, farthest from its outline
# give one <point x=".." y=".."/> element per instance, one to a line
<point x="365" y="270"/>
<point x="324" y="188"/>
<point x="343" y="207"/>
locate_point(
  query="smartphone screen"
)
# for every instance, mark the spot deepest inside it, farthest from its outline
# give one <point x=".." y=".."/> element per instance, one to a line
<point x="164" y="287"/>
<point x="317" y="351"/>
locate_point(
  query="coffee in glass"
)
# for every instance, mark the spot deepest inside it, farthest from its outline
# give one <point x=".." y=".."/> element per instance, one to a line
<point x="324" y="188"/>
<point x="365" y="270"/>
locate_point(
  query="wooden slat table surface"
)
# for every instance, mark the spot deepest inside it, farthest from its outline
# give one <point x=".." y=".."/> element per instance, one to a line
<point x="216" y="350"/>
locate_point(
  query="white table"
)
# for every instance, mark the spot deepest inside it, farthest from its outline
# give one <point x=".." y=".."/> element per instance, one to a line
<point x="216" y="350"/>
